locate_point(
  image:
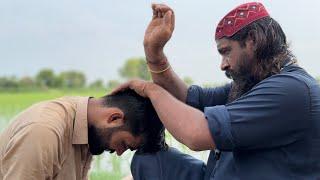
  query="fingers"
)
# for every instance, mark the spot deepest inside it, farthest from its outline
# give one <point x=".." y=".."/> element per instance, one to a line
<point x="120" y="88"/>
<point x="159" y="10"/>
<point x="172" y="21"/>
<point x="169" y="20"/>
<point x="163" y="8"/>
<point x="155" y="14"/>
<point x="139" y="86"/>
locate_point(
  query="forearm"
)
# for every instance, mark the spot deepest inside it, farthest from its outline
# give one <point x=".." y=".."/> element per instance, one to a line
<point x="168" y="79"/>
<point x="187" y="124"/>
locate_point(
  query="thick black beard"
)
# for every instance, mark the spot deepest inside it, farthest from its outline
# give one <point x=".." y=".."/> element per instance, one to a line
<point x="99" y="139"/>
<point x="95" y="144"/>
<point x="243" y="79"/>
<point x="238" y="88"/>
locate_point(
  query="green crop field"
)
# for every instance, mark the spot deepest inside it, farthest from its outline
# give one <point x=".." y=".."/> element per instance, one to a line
<point x="106" y="166"/>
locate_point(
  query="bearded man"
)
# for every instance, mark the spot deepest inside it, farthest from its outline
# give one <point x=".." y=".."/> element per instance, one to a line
<point x="265" y="124"/>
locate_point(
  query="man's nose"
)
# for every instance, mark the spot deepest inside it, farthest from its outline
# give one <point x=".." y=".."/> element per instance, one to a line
<point x="224" y="64"/>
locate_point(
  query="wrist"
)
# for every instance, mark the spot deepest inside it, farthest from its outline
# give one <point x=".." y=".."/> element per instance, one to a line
<point x="151" y="90"/>
<point x="155" y="56"/>
<point x="157" y="63"/>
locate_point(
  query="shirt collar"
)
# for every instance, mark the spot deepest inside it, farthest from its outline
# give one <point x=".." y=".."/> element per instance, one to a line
<point x="80" y="127"/>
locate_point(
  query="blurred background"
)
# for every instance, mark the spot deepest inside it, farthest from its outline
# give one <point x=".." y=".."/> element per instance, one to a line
<point x="55" y="48"/>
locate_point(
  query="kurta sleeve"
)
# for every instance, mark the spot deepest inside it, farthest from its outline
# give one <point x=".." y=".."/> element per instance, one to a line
<point x="203" y="97"/>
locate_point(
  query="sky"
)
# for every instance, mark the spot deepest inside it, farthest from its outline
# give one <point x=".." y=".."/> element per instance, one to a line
<point x="98" y="36"/>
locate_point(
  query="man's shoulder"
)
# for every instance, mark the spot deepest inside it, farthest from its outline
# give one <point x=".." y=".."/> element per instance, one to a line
<point x="293" y="86"/>
<point x="56" y="114"/>
<point x="292" y="78"/>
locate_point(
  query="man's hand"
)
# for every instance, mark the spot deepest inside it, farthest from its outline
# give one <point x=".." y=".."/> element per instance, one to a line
<point x="158" y="32"/>
<point x="141" y="87"/>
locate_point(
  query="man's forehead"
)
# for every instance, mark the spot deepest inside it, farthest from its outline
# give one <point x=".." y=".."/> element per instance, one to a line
<point x="223" y="43"/>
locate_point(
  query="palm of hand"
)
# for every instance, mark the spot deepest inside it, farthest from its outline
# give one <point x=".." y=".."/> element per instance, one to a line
<point x="157" y="33"/>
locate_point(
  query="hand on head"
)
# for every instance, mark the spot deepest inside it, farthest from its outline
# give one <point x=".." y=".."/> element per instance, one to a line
<point x="139" y="86"/>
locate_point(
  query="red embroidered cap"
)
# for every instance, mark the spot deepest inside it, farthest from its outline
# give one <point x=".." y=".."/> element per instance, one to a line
<point x="240" y="17"/>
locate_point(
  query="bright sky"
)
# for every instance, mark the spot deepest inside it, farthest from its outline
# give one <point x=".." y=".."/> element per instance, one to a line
<point x="97" y="36"/>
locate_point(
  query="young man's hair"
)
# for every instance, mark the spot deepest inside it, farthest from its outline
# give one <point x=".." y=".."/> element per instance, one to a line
<point x="140" y="118"/>
<point x="272" y="49"/>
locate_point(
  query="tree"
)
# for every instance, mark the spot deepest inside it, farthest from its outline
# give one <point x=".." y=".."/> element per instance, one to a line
<point x="188" y="80"/>
<point x="112" y="84"/>
<point x="318" y="79"/>
<point x="26" y="82"/>
<point x="72" y="79"/>
<point x="7" y="83"/>
<point x="135" y="68"/>
<point x="46" y="78"/>
<point x="98" y="84"/>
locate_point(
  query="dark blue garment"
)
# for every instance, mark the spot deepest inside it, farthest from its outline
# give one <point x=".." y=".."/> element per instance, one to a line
<point x="271" y="132"/>
<point x="167" y="165"/>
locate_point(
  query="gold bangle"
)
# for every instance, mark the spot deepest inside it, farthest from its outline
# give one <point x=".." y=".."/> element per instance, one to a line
<point x="161" y="71"/>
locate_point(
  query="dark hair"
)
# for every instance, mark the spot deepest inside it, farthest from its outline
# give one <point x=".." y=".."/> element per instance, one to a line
<point x="140" y="118"/>
<point x="272" y="49"/>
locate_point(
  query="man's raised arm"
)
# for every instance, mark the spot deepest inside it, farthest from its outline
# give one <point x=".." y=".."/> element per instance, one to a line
<point x="158" y="33"/>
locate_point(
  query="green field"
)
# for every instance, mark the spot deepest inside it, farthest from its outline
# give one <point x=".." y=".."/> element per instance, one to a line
<point x="106" y="166"/>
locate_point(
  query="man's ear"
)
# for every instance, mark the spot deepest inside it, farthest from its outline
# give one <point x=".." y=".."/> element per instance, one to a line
<point x="251" y="41"/>
<point x="116" y="117"/>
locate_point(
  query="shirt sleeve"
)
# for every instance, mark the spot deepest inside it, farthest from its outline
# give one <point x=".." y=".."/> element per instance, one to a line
<point x="203" y="97"/>
<point x="274" y="113"/>
<point x="32" y="153"/>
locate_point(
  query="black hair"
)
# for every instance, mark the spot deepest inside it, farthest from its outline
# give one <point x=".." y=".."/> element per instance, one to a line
<point x="272" y="49"/>
<point x="140" y="118"/>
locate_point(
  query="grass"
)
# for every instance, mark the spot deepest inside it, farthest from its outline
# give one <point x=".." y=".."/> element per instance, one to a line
<point x="13" y="102"/>
<point x="100" y="175"/>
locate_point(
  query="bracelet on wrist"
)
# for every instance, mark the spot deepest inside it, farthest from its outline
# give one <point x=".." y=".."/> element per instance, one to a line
<point x="160" y="71"/>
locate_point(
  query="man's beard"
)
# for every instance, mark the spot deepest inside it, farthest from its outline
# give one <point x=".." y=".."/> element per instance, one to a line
<point x="243" y="78"/>
<point x="99" y="139"/>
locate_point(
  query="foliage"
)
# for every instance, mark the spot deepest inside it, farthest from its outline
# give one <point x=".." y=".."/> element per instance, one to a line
<point x="46" y="78"/>
<point x="72" y="79"/>
<point x="8" y="83"/>
<point x="188" y="80"/>
<point x="97" y="84"/>
<point x="26" y="82"/>
<point x="113" y="84"/>
<point x="135" y="68"/>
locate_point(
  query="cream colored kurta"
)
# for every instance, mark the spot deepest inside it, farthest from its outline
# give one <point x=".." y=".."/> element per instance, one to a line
<point x="49" y="140"/>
